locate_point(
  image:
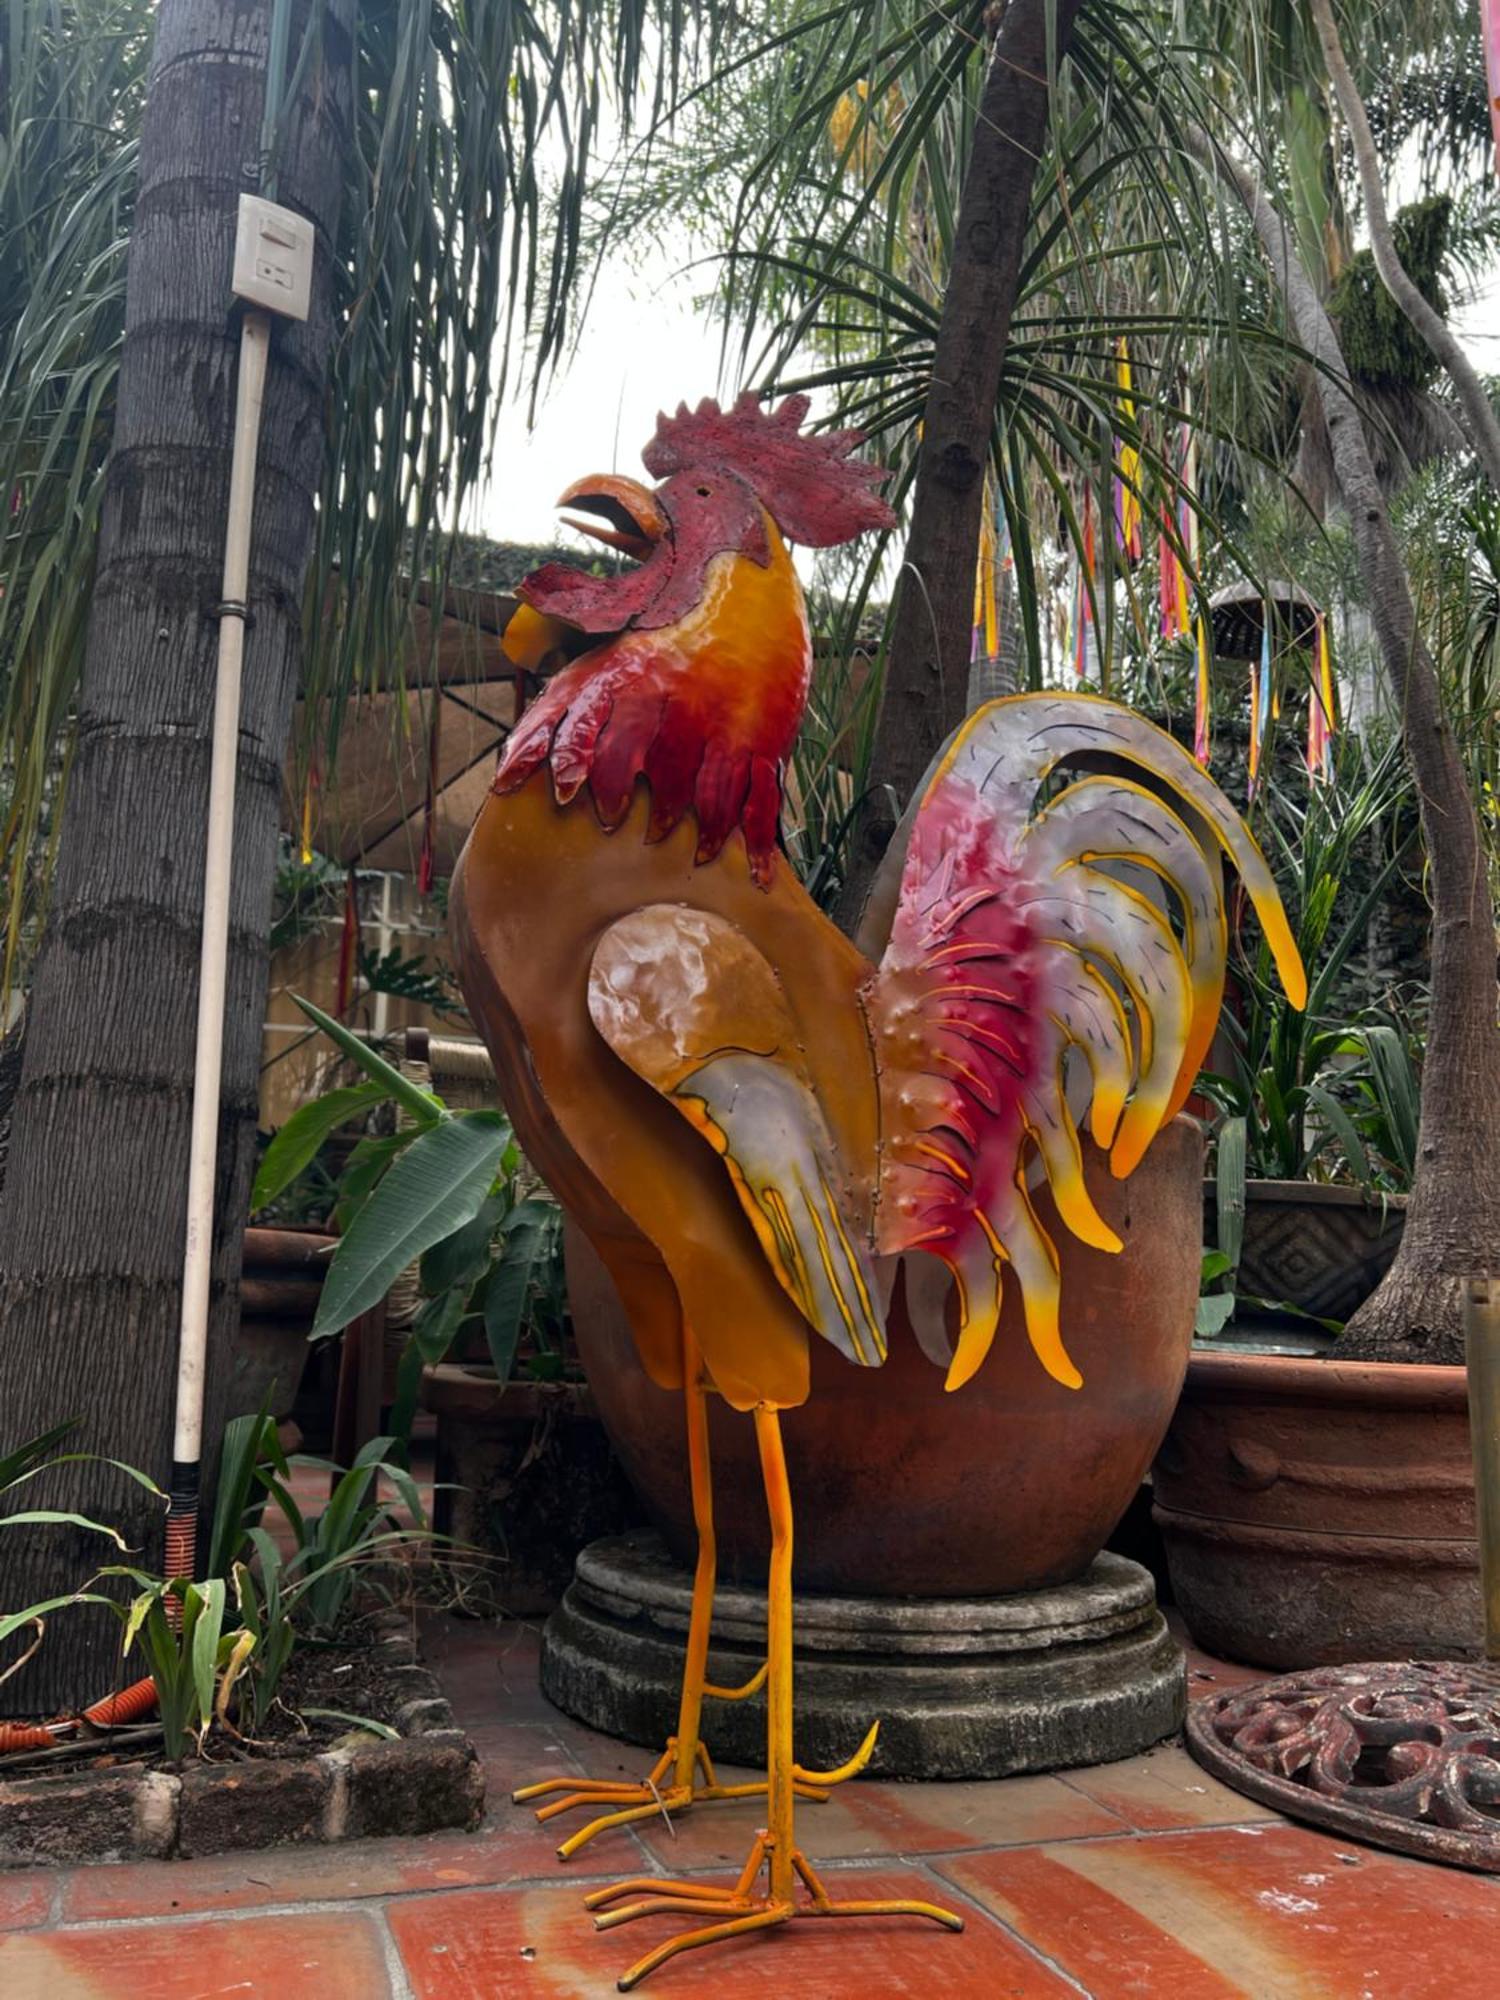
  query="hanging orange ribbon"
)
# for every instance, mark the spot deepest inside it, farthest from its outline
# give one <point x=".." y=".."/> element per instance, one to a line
<point x="1320" y="708"/>
<point x="1128" y="478"/>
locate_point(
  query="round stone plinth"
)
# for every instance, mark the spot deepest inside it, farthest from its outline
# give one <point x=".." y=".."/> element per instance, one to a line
<point x="963" y="1688"/>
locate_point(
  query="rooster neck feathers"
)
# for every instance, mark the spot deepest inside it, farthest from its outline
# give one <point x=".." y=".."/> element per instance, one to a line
<point x="704" y="710"/>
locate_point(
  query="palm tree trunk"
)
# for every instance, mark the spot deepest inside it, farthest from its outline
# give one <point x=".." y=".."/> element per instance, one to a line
<point x="926" y="675"/>
<point x="1453" y="1222"/>
<point x="1479" y="415"/>
<point x="92" y="1210"/>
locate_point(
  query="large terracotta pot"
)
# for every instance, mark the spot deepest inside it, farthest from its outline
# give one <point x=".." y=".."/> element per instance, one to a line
<point x="1321" y="1249"/>
<point x="1012" y="1484"/>
<point x="1319" y="1511"/>
<point x="280" y="1282"/>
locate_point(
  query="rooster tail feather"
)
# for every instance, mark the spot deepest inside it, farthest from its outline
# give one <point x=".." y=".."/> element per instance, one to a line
<point x="1031" y="924"/>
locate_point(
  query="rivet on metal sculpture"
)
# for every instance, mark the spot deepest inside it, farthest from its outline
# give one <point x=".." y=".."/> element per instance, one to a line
<point x="754" y="1119"/>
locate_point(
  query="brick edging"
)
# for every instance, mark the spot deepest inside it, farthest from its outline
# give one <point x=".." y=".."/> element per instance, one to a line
<point x="430" y="1778"/>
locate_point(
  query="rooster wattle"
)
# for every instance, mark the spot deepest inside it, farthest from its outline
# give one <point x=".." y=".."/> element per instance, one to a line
<point x="751" y="1117"/>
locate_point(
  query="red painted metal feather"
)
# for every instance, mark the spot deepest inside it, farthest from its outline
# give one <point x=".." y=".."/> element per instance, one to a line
<point x="1033" y="960"/>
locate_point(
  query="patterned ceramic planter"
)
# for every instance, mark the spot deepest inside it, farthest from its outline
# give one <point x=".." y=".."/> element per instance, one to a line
<point x="1321" y="1249"/>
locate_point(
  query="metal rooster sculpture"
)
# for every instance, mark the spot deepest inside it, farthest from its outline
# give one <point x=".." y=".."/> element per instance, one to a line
<point x="750" y="1117"/>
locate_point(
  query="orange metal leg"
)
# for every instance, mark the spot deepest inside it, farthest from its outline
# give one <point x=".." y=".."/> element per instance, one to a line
<point x="683" y="1775"/>
<point x="749" y="1906"/>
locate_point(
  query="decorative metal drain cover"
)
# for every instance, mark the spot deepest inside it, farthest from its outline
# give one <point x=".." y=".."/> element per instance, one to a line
<point x="1402" y="1754"/>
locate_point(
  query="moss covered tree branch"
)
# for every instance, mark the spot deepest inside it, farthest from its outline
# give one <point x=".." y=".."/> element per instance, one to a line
<point x="1479" y="416"/>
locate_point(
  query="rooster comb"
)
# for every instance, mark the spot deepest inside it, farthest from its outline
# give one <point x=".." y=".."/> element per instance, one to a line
<point x="812" y="488"/>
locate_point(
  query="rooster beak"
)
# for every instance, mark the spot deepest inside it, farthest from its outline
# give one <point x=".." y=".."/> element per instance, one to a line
<point x="636" y="521"/>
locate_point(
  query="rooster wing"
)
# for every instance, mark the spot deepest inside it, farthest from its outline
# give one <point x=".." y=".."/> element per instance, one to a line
<point x="693" y="1006"/>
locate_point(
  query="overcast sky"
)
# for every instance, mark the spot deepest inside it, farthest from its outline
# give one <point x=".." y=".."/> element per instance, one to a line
<point x="644" y="348"/>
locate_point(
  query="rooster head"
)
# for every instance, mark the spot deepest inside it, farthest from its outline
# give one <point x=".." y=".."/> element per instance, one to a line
<point x="722" y="473"/>
<point x="688" y="672"/>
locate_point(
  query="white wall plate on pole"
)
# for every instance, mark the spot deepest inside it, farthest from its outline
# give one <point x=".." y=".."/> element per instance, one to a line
<point x="273" y="258"/>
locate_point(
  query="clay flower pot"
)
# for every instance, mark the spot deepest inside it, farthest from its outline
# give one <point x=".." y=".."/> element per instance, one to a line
<point x="1014" y="1483"/>
<point x="1317" y="1511"/>
<point x="1321" y="1249"/>
<point x="281" y="1278"/>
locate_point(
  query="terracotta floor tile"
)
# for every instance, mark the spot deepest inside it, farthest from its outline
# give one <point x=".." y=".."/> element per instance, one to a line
<point x="1271" y="1913"/>
<point x="1205" y="1674"/>
<point x="1163" y="1789"/>
<point x="868" y="1820"/>
<point x="334" y="1957"/>
<point x="26" y="1898"/>
<point x="540" y="1941"/>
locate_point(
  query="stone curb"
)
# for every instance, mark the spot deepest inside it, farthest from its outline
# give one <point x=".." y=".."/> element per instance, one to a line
<point x="429" y="1778"/>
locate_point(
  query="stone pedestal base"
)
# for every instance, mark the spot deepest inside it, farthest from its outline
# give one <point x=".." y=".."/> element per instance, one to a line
<point x="963" y="1688"/>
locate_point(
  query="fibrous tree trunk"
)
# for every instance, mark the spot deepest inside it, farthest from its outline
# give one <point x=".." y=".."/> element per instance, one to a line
<point x="92" y="1211"/>
<point x="1479" y="416"/>
<point x="926" y="675"/>
<point x="1453" y="1221"/>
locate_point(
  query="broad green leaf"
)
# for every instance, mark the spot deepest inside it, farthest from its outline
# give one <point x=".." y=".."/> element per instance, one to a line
<point x="1341" y="1129"/>
<point x="298" y="1142"/>
<point x="1229" y="1188"/>
<point x="461" y="1257"/>
<point x="1213" y="1315"/>
<point x="14" y="1620"/>
<point x="29" y="1456"/>
<point x="381" y="1729"/>
<point x="1215" y="1264"/>
<point x="434" y="1188"/>
<point x="363" y="1171"/>
<point x="248" y="1442"/>
<point x="508" y="1295"/>
<point x="50" y="1516"/>
<point x="422" y="1104"/>
<point x="208" y="1627"/>
<point x="436" y="1324"/>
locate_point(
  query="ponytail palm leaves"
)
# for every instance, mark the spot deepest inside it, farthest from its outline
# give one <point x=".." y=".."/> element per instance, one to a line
<point x="475" y="134"/>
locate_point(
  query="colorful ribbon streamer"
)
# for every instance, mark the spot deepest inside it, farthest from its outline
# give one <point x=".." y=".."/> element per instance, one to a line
<point x="1321" y="708"/>
<point x="1128" y="459"/>
<point x="1261" y="698"/>
<point x="1203" y="694"/>
<point x="1489" y="28"/>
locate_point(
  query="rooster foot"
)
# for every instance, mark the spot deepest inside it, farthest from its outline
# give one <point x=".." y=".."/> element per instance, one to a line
<point x="739" y="1909"/>
<point x="659" y="1795"/>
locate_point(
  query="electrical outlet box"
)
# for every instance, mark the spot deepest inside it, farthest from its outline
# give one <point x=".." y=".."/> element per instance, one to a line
<point x="273" y="255"/>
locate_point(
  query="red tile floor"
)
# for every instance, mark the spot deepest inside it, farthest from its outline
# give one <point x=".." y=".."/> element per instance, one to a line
<point x="1144" y="1878"/>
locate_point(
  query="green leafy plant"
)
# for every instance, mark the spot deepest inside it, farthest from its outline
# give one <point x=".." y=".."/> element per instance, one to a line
<point x="445" y="1194"/>
<point x="203" y="1661"/>
<point x="187" y="1655"/>
<point x="36" y="1456"/>
<point x="354" y="1530"/>
<point x="1286" y="1084"/>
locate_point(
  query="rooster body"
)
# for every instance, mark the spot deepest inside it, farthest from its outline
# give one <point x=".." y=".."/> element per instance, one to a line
<point x="652" y="976"/>
<point x="752" y="1118"/>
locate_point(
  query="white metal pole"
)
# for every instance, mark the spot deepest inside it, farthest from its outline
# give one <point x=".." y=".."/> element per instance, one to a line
<point x="187" y="1443"/>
